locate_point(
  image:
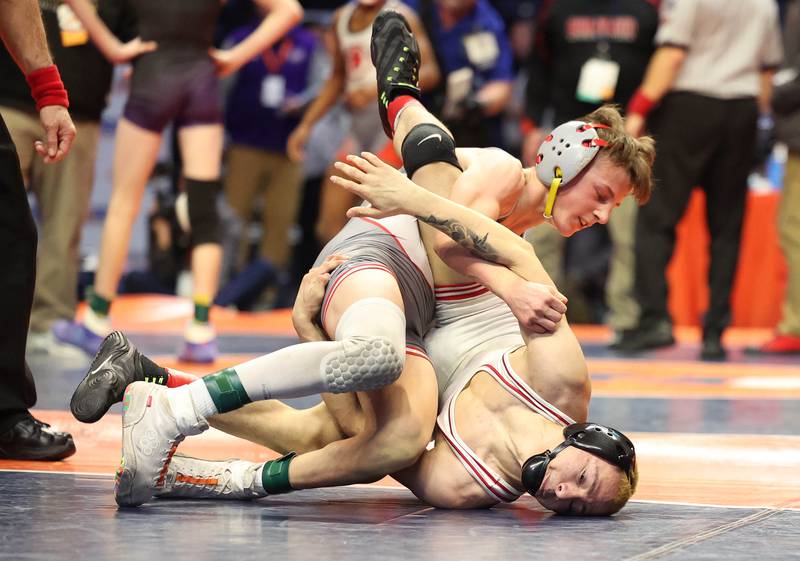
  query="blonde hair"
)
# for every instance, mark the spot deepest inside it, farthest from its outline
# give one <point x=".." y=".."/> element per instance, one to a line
<point x="634" y="155"/>
<point x="627" y="487"/>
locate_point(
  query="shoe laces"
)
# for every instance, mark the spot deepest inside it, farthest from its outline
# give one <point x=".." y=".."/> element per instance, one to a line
<point x="166" y="459"/>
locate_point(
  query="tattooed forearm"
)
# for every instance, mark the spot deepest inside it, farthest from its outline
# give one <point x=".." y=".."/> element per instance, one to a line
<point x="463" y="236"/>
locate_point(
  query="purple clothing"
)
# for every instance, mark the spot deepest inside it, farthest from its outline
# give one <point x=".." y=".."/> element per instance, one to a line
<point x="253" y="115"/>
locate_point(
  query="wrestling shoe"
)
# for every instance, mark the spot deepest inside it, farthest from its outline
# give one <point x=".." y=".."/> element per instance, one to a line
<point x="193" y="478"/>
<point x="150" y="436"/>
<point x="78" y="335"/>
<point x="199" y="344"/>
<point x="117" y="364"/>
<point x="200" y="353"/>
<point x="395" y="54"/>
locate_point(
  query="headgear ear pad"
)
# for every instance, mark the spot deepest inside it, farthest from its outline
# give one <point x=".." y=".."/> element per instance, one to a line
<point x="604" y="442"/>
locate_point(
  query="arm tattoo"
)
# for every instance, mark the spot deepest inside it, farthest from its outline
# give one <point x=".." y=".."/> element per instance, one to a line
<point x="463" y="236"/>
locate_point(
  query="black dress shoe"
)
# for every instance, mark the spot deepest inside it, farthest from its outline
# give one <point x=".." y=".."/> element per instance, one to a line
<point x="619" y="339"/>
<point x="645" y="339"/>
<point x="712" y="350"/>
<point x="31" y="439"/>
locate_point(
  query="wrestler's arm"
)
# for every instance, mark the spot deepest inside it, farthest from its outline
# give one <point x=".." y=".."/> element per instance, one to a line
<point x="471" y="242"/>
<point x="114" y="50"/>
<point x="440" y="480"/>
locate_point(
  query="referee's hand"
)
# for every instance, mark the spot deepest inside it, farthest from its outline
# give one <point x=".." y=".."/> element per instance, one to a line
<point x="59" y="133"/>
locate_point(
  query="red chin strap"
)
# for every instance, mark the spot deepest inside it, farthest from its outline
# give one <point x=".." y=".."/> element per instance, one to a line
<point x="47" y="87"/>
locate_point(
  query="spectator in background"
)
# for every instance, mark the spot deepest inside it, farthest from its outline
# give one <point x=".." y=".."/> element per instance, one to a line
<point x="263" y="106"/>
<point x="710" y="76"/>
<point x="62" y="189"/>
<point x="177" y="82"/>
<point x="786" y="104"/>
<point x="474" y="55"/>
<point x="586" y="53"/>
<point x="353" y="79"/>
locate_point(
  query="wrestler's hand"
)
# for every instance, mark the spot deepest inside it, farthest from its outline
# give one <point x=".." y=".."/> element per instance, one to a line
<point x="537" y="307"/>
<point x="59" y="133"/>
<point x="310" y="294"/>
<point x="388" y="190"/>
<point x="126" y="52"/>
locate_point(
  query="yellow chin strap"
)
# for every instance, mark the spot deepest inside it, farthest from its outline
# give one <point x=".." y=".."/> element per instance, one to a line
<point x="551" y="195"/>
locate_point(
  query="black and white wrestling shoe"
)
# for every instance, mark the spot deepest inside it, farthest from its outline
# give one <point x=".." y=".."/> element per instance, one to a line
<point x="395" y="54"/>
<point x="117" y="364"/>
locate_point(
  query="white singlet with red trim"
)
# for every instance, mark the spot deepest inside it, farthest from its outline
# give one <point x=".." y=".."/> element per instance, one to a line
<point x="496" y="363"/>
<point x="475" y="331"/>
<point x="469" y="320"/>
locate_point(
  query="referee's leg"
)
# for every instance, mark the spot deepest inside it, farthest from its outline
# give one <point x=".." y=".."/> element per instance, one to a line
<point x="21" y="436"/>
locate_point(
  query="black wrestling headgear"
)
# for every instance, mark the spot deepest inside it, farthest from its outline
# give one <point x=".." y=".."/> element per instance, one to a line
<point x="604" y="442"/>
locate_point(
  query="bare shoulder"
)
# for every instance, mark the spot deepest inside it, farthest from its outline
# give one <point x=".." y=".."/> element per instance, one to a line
<point x="490" y="173"/>
<point x="556" y="369"/>
<point x="439" y="479"/>
<point x="487" y="157"/>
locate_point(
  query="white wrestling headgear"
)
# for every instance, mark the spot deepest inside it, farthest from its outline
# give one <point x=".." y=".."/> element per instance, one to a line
<point x="564" y="154"/>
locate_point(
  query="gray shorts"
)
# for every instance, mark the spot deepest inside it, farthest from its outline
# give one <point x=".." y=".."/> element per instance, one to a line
<point x="392" y="244"/>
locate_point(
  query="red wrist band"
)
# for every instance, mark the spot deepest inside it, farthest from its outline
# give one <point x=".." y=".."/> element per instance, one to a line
<point x="640" y="104"/>
<point x="47" y="87"/>
<point x="527" y="125"/>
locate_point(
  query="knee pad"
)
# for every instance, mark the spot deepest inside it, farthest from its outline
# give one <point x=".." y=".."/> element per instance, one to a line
<point x="372" y="332"/>
<point x="363" y="362"/>
<point x="203" y="216"/>
<point x="426" y="144"/>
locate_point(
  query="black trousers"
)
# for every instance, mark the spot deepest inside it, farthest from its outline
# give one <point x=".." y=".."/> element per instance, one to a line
<point x="17" y="277"/>
<point x="701" y="142"/>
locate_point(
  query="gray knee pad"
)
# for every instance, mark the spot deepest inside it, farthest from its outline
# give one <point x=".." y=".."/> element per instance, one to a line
<point x="425" y="144"/>
<point x="203" y="215"/>
<point x="363" y="363"/>
<point x="373" y="336"/>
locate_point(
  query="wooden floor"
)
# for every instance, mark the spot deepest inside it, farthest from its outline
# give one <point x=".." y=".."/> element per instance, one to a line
<point x="709" y="436"/>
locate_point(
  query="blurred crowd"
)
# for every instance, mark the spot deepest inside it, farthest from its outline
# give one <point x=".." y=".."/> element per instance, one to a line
<point x="498" y="73"/>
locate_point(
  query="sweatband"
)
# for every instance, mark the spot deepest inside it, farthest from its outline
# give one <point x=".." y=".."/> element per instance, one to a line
<point x="47" y="88"/>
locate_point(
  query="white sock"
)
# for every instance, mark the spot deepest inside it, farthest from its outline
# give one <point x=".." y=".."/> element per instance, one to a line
<point x="190" y="412"/>
<point x="258" y="484"/>
<point x="298" y="370"/>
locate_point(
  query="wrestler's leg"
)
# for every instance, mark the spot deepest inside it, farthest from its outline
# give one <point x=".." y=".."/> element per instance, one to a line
<point x="135" y="153"/>
<point x="399" y="423"/>
<point x="201" y="151"/>
<point x="399" y="419"/>
<point x="280" y="427"/>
